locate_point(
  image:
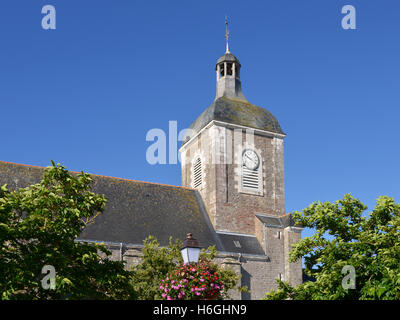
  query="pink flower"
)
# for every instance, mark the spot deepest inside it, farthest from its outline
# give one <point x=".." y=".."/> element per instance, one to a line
<point x="163" y="295"/>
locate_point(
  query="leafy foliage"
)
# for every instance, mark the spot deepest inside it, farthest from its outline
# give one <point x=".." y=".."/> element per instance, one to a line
<point x="371" y="244"/>
<point x="157" y="262"/>
<point x="38" y="226"/>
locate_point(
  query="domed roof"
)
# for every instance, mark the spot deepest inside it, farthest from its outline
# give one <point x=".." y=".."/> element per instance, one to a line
<point x="237" y="112"/>
<point x="228" y="57"/>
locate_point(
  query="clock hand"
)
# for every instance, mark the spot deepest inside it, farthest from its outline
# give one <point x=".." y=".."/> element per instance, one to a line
<point x="252" y="160"/>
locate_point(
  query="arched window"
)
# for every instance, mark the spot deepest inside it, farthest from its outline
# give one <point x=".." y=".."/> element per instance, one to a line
<point x="251" y="175"/>
<point x="197" y="173"/>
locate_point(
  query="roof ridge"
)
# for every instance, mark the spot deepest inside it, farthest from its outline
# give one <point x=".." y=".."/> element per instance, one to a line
<point x="99" y="175"/>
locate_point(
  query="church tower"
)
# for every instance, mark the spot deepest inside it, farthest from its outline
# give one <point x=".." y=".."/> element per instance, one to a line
<point x="234" y="157"/>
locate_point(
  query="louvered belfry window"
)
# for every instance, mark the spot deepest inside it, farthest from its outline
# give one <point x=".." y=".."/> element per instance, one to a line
<point x="197" y="173"/>
<point x="250" y="178"/>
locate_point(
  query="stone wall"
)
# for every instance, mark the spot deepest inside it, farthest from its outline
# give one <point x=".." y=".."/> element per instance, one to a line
<point x="257" y="273"/>
<point x="229" y="207"/>
<point x="293" y="270"/>
<point x="233" y="209"/>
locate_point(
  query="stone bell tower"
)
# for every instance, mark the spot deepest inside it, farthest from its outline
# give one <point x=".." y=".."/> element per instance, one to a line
<point x="234" y="157"/>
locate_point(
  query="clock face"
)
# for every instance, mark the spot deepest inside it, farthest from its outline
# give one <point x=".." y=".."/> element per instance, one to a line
<point x="250" y="159"/>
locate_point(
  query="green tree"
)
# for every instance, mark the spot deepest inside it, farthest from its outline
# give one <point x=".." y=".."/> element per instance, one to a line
<point x="158" y="262"/>
<point x="38" y="226"/>
<point x="344" y="236"/>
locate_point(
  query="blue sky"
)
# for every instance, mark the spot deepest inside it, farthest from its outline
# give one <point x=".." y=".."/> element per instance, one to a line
<point x="86" y="94"/>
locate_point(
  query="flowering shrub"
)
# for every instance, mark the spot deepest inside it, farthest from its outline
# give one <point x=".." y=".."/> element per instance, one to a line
<point x="194" y="282"/>
<point x="162" y="265"/>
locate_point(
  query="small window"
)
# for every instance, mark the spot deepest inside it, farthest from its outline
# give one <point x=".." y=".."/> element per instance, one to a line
<point x="197" y="173"/>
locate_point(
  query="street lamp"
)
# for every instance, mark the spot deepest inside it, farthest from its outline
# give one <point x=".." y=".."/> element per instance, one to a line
<point x="190" y="250"/>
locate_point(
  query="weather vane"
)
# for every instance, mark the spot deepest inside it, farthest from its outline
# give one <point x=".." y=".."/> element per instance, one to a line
<point x="226" y="34"/>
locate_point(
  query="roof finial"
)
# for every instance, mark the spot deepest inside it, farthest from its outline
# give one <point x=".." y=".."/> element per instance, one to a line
<point x="227" y="35"/>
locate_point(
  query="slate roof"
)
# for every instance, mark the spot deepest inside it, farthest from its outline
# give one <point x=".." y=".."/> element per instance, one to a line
<point x="137" y="209"/>
<point x="281" y="221"/>
<point x="237" y="112"/>
<point x="240" y="243"/>
<point x="228" y="57"/>
<point x="134" y="209"/>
